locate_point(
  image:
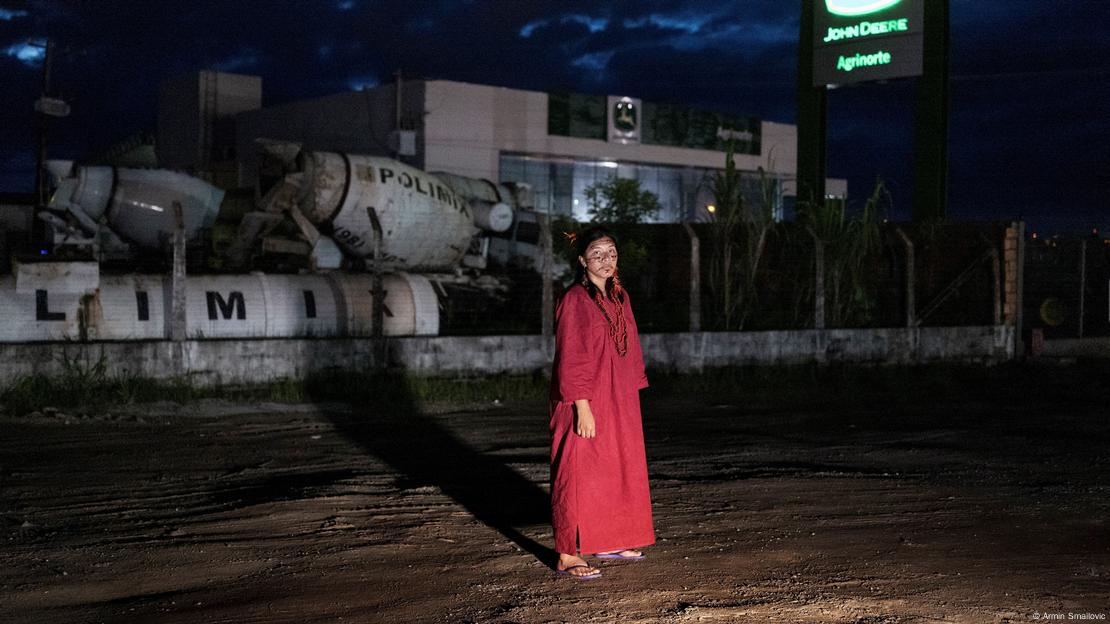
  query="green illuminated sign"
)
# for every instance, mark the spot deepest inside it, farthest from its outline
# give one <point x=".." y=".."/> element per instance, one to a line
<point x="858" y="7"/>
<point x="848" y="63"/>
<point x="867" y="29"/>
<point x="866" y="40"/>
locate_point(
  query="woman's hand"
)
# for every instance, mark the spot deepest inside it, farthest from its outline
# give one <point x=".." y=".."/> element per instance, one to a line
<point x="584" y="424"/>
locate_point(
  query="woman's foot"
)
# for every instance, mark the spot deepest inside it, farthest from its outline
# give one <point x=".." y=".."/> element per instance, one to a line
<point x="628" y="553"/>
<point x="575" y="566"/>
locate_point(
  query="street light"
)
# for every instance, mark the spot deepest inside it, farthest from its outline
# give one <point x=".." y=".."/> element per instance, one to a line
<point x="47" y="106"/>
<point x="52" y="107"/>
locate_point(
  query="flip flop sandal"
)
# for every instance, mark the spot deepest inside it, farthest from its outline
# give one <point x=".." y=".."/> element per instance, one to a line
<point x="618" y="555"/>
<point x="581" y="577"/>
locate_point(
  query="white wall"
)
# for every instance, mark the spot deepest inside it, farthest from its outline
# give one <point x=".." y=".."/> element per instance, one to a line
<point x="211" y="362"/>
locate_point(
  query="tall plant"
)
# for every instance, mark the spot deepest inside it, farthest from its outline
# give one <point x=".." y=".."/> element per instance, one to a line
<point x="740" y="234"/>
<point x="851" y="244"/>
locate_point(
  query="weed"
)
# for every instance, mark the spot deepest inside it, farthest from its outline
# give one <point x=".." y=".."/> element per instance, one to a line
<point x="84" y="387"/>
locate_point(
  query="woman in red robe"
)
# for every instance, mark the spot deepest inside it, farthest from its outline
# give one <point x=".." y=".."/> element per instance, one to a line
<point x="600" y="502"/>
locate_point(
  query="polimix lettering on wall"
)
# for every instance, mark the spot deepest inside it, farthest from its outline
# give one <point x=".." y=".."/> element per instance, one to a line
<point x="864" y="40"/>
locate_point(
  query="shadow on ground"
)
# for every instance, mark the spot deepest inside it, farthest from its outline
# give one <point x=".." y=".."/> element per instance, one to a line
<point x="394" y="430"/>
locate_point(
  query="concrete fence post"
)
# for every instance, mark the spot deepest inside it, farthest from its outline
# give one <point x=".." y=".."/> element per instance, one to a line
<point x="819" y="282"/>
<point x="911" y="285"/>
<point x="1019" y="346"/>
<point x="177" y="278"/>
<point x="695" y="278"/>
<point x="547" y="311"/>
<point x="1082" y="283"/>
<point x="377" y="312"/>
<point x="996" y="288"/>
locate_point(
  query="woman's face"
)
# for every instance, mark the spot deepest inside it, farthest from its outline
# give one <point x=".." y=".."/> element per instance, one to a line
<point x="600" y="259"/>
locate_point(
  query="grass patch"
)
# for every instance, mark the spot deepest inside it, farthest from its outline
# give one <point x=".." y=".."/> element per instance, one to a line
<point x="852" y="385"/>
<point x="86" y="389"/>
<point x="80" y="392"/>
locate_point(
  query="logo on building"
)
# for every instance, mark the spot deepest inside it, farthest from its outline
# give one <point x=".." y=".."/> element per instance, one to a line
<point x="858" y="7"/>
<point x="740" y="136"/>
<point x="624" y="119"/>
<point x="624" y="116"/>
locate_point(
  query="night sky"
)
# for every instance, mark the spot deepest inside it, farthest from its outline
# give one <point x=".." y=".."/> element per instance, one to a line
<point x="1030" y="124"/>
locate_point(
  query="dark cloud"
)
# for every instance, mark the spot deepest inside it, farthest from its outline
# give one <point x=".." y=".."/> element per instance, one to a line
<point x="1028" y="92"/>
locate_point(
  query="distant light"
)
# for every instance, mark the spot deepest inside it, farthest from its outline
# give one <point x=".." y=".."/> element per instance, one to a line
<point x="711" y="208"/>
<point x="43" y="252"/>
<point x="362" y="83"/>
<point x="1034" y="236"/>
<point x="608" y="163"/>
<point x="575" y="201"/>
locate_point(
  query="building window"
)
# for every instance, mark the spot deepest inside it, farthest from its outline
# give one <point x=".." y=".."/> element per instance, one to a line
<point x="560" y="185"/>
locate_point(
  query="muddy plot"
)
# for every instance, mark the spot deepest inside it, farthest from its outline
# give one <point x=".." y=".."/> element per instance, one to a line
<point x="946" y="509"/>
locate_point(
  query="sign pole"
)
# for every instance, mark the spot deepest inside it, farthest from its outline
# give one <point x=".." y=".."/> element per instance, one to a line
<point x="812" y="118"/>
<point x="930" y="169"/>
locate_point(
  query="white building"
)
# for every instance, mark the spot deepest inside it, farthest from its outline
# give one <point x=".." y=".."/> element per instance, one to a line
<point x="559" y="143"/>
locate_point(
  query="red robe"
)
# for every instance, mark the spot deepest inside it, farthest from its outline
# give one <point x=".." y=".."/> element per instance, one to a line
<point x="599" y="486"/>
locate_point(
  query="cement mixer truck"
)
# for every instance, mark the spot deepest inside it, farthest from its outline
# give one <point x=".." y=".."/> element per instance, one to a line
<point x="337" y="215"/>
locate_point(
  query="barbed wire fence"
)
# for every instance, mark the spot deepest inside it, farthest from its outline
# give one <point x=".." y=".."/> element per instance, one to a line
<point x="916" y="275"/>
<point x="1067" y="286"/>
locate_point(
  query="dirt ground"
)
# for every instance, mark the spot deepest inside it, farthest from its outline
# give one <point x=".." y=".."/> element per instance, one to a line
<point x="970" y="508"/>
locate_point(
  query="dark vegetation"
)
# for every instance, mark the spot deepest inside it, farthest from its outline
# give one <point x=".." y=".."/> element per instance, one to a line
<point x="89" y="390"/>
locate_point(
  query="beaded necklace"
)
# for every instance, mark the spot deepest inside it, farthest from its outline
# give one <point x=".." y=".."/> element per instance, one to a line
<point x="618" y="327"/>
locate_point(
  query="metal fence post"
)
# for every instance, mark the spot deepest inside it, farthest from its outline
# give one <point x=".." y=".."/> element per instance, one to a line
<point x="695" y="278"/>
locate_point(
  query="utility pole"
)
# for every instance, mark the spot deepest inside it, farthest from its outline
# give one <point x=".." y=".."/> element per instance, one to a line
<point x="397" y="116"/>
<point x="40" y="165"/>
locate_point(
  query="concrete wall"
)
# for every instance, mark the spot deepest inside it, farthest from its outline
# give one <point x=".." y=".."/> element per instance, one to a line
<point x="185" y="107"/>
<point x="210" y="362"/>
<point x="1098" y="347"/>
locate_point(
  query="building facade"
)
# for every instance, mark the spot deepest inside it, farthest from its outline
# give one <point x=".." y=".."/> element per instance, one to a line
<point x="559" y="143"/>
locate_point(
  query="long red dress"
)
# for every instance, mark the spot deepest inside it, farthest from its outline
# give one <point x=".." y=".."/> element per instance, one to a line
<point x="599" y="486"/>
